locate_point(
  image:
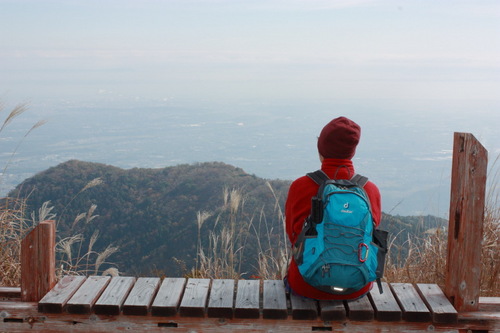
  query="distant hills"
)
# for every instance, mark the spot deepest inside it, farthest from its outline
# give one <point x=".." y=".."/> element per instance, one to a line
<point x="157" y="217"/>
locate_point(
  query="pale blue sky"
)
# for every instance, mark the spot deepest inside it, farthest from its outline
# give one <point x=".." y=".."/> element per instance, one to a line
<point x="121" y="82"/>
<point x="84" y="51"/>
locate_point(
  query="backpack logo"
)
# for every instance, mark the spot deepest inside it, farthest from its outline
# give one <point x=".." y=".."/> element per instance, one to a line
<point x="346" y="210"/>
<point x="339" y="251"/>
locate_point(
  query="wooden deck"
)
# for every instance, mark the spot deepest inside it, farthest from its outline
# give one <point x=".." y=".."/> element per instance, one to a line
<point x="100" y="303"/>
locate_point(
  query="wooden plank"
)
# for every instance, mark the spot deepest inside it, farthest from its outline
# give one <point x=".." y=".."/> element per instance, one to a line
<point x="10" y="292"/>
<point x="247" y="299"/>
<point x="112" y="299"/>
<point x="85" y="297"/>
<point x="141" y="296"/>
<point x="221" y="300"/>
<point x="55" y="301"/>
<point x="194" y="301"/>
<point x="38" y="262"/>
<point x="303" y="308"/>
<point x="385" y="305"/>
<point x="332" y="310"/>
<point x="168" y="299"/>
<point x="360" y="309"/>
<point x="274" y="300"/>
<point x="491" y="304"/>
<point x="442" y="310"/>
<point x="465" y="230"/>
<point x="411" y="304"/>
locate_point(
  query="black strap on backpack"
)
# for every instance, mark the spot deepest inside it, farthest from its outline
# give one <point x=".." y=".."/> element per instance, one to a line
<point x="320" y="177"/>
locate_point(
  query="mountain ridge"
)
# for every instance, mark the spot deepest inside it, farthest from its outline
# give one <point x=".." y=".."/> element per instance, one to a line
<point x="152" y="214"/>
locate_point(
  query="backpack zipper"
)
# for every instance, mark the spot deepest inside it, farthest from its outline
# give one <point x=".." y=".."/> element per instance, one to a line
<point x="325" y="269"/>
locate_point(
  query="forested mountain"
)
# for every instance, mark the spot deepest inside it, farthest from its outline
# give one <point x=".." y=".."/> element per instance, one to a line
<point x="151" y="214"/>
<point x="154" y="215"/>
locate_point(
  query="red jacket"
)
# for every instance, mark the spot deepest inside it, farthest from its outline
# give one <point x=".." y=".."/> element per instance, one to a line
<point x="297" y="208"/>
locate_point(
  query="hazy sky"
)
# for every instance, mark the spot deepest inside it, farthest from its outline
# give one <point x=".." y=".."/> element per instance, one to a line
<point x="250" y="49"/>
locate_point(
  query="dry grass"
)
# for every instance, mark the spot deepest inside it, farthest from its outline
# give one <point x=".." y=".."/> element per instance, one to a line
<point x="274" y="251"/>
<point x="220" y="257"/>
<point x="75" y="256"/>
<point x="223" y="255"/>
<point x="13" y="227"/>
<point x="490" y="278"/>
<point x="426" y="260"/>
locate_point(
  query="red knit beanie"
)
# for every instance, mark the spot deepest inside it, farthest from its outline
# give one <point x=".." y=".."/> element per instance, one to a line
<point x="339" y="138"/>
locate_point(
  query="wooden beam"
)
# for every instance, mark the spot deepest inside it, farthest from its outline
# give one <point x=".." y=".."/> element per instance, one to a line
<point x="247" y="299"/>
<point x="221" y="300"/>
<point x="441" y="309"/>
<point x="274" y="300"/>
<point x="38" y="262"/>
<point x="465" y="231"/>
<point x="84" y="299"/>
<point x="9" y="292"/>
<point x="169" y="296"/>
<point x="112" y="299"/>
<point x="412" y="306"/>
<point x="141" y="296"/>
<point x="194" y="300"/>
<point x="56" y="300"/>
<point x="385" y="305"/>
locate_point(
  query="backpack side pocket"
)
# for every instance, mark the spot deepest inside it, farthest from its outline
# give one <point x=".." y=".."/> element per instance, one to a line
<point x="380" y="239"/>
<point x="308" y="231"/>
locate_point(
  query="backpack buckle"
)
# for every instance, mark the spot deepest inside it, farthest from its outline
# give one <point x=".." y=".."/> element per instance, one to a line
<point x="360" y="252"/>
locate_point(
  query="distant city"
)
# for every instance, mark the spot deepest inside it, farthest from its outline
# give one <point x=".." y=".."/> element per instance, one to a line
<point x="405" y="150"/>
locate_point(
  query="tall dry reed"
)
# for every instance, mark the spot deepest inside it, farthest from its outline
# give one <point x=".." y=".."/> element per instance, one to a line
<point x="13" y="224"/>
<point x="219" y="258"/>
<point x="74" y="255"/>
<point x="13" y="227"/>
<point x="224" y="253"/>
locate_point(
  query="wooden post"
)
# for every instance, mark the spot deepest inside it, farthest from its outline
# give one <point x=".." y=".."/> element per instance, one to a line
<point x="465" y="232"/>
<point x="38" y="262"/>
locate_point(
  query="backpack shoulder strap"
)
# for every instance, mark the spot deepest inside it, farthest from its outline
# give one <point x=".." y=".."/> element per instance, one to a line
<point x="318" y="176"/>
<point x="359" y="180"/>
<point x="316" y="214"/>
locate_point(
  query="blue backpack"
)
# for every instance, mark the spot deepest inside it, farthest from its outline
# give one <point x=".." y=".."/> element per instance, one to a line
<point x="339" y="250"/>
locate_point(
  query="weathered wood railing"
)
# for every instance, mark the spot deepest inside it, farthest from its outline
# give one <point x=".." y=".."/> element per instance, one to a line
<point x="248" y="304"/>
